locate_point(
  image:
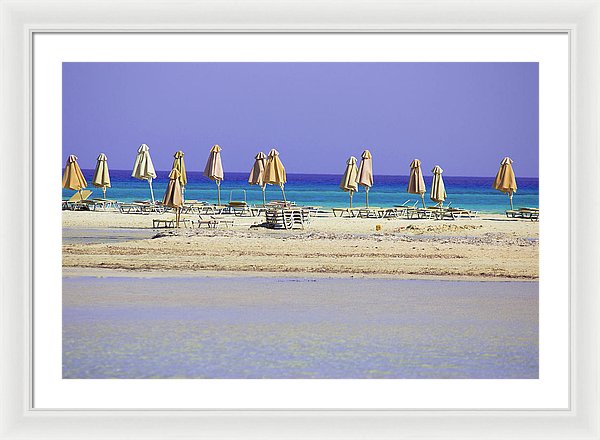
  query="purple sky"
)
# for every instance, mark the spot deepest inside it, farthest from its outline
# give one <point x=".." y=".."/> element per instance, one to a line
<point x="463" y="116"/>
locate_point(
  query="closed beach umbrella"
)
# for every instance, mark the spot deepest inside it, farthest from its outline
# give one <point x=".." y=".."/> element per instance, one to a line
<point x="179" y="165"/>
<point x="505" y="179"/>
<point x="274" y="171"/>
<point x="348" y="182"/>
<point x="214" y="169"/>
<point x="173" y="195"/>
<point x="143" y="168"/>
<point x="101" y="177"/>
<point x="257" y="173"/>
<point x="73" y="177"/>
<point x="438" y="190"/>
<point x="416" y="183"/>
<point x="365" y="173"/>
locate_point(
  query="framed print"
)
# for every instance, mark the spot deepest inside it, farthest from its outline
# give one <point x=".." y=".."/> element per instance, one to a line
<point x="300" y="225"/>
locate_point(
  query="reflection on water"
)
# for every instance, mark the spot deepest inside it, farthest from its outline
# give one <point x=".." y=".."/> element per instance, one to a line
<point x="289" y="328"/>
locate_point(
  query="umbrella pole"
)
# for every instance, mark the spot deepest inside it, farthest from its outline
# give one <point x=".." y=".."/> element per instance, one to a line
<point x="367" y="196"/>
<point x="510" y="198"/>
<point x="351" y="198"/>
<point x="283" y="192"/>
<point x="218" y="192"/>
<point x="423" y="200"/>
<point x="183" y="194"/>
<point x="104" y="192"/>
<point x="264" y="196"/>
<point x="80" y="194"/>
<point x="151" y="190"/>
<point x="177" y="215"/>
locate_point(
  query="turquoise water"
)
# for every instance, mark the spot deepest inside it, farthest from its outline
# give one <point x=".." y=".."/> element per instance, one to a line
<point x="250" y="327"/>
<point x="322" y="190"/>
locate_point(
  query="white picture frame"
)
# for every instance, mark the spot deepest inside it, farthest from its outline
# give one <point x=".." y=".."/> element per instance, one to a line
<point x="19" y="20"/>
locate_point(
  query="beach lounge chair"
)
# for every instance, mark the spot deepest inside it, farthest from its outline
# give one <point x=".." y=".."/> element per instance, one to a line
<point x="211" y="209"/>
<point x="280" y="204"/>
<point x="77" y="201"/>
<point x="102" y="204"/>
<point x="213" y="222"/>
<point x="158" y="223"/>
<point x="192" y="206"/>
<point x="238" y="207"/>
<point x="130" y="208"/>
<point x="455" y="213"/>
<point x="532" y="214"/>
<point x="287" y="218"/>
<point x="339" y="212"/>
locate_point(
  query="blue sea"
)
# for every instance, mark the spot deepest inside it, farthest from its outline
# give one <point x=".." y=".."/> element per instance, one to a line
<point x="322" y="190"/>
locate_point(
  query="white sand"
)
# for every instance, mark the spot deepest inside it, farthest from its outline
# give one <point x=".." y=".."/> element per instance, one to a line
<point x="489" y="248"/>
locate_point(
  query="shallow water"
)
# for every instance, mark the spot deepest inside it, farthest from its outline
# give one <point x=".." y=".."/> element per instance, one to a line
<point x="244" y="327"/>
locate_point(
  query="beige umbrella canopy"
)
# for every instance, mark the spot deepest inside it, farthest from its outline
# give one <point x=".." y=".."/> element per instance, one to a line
<point x="274" y="171"/>
<point x="438" y="190"/>
<point x="179" y="165"/>
<point x="101" y="177"/>
<point x="214" y="169"/>
<point x="257" y="173"/>
<point x="416" y="183"/>
<point x="73" y="177"/>
<point x="173" y="195"/>
<point x="143" y="168"/>
<point x="349" y="183"/>
<point x="505" y="179"/>
<point x="365" y="173"/>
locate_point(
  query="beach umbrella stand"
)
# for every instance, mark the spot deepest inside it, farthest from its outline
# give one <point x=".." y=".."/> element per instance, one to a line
<point x="143" y="169"/>
<point x="505" y="180"/>
<point x="73" y="177"/>
<point x="283" y="192"/>
<point x="349" y="183"/>
<point x="151" y="190"/>
<point x="214" y="169"/>
<point x="438" y="189"/>
<point x="365" y="174"/>
<point x="218" y="182"/>
<point x="416" y="183"/>
<point x="274" y="172"/>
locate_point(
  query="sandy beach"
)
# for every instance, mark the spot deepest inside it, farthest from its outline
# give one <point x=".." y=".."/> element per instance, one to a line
<point x="490" y="247"/>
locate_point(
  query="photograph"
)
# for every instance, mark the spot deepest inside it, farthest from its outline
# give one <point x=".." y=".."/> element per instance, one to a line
<point x="300" y="220"/>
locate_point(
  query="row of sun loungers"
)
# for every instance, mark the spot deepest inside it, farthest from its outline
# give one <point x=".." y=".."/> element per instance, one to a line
<point x="279" y="214"/>
<point x="409" y="212"/>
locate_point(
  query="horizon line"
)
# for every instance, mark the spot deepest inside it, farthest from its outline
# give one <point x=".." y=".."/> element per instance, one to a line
<point x="322" y="174"/>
